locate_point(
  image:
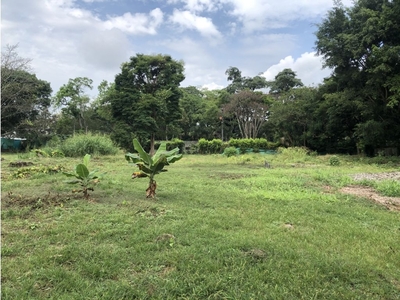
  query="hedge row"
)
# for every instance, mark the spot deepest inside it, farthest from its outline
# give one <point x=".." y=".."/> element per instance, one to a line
<point x="253" y="144"/>
<point x="218" y="146"/>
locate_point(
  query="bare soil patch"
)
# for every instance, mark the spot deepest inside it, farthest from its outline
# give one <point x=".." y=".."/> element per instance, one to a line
<point x="392" y="203"/>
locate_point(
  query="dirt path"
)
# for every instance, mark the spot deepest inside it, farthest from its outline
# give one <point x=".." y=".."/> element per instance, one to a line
<point x="392" y="203"/>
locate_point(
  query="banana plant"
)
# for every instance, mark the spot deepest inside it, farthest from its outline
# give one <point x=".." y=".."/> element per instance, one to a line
<point x="149" y="166"/>
<point x="83" y="177"/>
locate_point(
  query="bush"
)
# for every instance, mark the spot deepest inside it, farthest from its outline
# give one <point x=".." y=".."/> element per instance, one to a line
<point x="230" y="151"/>
<point x="215" y="146"/>
<point x="334" y="160"/>
<point x="203" y="146"/>
<point x="234" y="142"/>
<point x="81" y="144"/>
<point x="210" y="147"/>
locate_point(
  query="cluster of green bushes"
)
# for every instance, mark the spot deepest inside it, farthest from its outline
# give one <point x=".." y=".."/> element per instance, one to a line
<point x="253" y="144"/>
<point x="244" y="145"/>
<point x="211" y="147"/>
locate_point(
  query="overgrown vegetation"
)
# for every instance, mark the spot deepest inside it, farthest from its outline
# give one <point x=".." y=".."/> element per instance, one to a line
<point x="222" y="227"/>
<point x="82" y="144"/>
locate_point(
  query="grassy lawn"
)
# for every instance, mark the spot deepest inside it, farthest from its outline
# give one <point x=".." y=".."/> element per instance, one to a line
<point x="220" y="228"/>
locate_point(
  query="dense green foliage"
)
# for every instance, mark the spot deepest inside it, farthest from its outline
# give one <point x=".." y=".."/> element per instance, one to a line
<point x="284" y="82"/>
<point x="73" y="100"/>
<point x="25" y="99"/>
<point x="145" y="101"/>
<point x="240" y="83"/>
<point x="360" y="100"/>
<point x="82" y="144"/>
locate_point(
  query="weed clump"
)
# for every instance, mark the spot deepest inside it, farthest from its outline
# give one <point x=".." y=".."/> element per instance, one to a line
<point x="81" y="144"/>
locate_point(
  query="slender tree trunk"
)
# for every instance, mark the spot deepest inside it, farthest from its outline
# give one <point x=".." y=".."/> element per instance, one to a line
<point x="152" y="142"/>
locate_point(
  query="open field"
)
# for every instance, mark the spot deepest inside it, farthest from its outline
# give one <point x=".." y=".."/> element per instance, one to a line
<point x="220" y="228"/>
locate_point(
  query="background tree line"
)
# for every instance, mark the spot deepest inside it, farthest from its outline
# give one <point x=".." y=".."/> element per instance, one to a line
<point x="355" y="109"/>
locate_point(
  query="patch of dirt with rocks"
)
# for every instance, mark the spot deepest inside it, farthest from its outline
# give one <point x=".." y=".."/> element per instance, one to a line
<point x="392" y="203"/>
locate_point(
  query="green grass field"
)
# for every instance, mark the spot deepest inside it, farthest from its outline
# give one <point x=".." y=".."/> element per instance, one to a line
<point x="220" y="228"/>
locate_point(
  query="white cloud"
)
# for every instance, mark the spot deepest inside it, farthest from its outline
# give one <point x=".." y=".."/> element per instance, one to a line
<point x="260" y="14"/>
<point x="64" y="42"/>
<point x="106" y="48"/>
<point x="201" y="67"/>
<point x="198" y="5"/>
<point x="308" y="68"/>
<point x="212" y="86"/>
<point x="189" y="20"/>
<point x="138" y="23"/>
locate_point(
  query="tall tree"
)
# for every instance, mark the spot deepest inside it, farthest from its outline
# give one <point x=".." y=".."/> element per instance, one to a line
<point x="292" y="118"/>
<point x="250" y="111"/>
<point x="240" y="83"/>
<point x="146" y="98"/>
<point x="101" y="107"/>
<point x="362" y="45"/>
<point x="284" y="82"/>
<point x="73" y="100"/>
<point x="24" y="97"/>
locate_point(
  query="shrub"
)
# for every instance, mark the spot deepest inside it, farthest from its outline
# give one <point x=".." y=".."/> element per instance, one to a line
<point x="203" y="146"/>
<point x="230" y="151"/>
<point x="334" y="160"/>
<point x="215" y="146"/>
<point x="210" y="147"/>
<point x="234" y="142"/>
<point x="79" y="145"/>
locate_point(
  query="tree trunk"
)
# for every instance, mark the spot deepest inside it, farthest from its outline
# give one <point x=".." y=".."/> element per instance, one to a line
<point x="152" y="142"/>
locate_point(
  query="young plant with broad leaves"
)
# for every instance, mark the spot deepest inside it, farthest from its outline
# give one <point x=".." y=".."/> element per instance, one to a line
<point x="83" y="177"/>
<point x="149" y="166"/>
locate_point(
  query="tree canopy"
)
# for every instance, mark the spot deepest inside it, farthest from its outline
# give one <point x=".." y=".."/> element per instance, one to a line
<point x="284" y="81"/>
<point x="24" y="97"/>
<point x="240" y="83"/>
<point x="362" y="46"/>
<point x="73" y="100"/>
<point x="146" y="98"/>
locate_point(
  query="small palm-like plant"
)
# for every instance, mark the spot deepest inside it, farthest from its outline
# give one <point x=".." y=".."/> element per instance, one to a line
<point x="149" y="166"/>
<point x="83" y="177"/>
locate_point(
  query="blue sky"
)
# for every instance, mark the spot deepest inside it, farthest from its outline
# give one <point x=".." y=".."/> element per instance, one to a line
<point x="91" y="38"/>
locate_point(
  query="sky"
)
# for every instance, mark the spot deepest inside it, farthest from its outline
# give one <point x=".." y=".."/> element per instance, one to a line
<point x="92" y="38"/>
